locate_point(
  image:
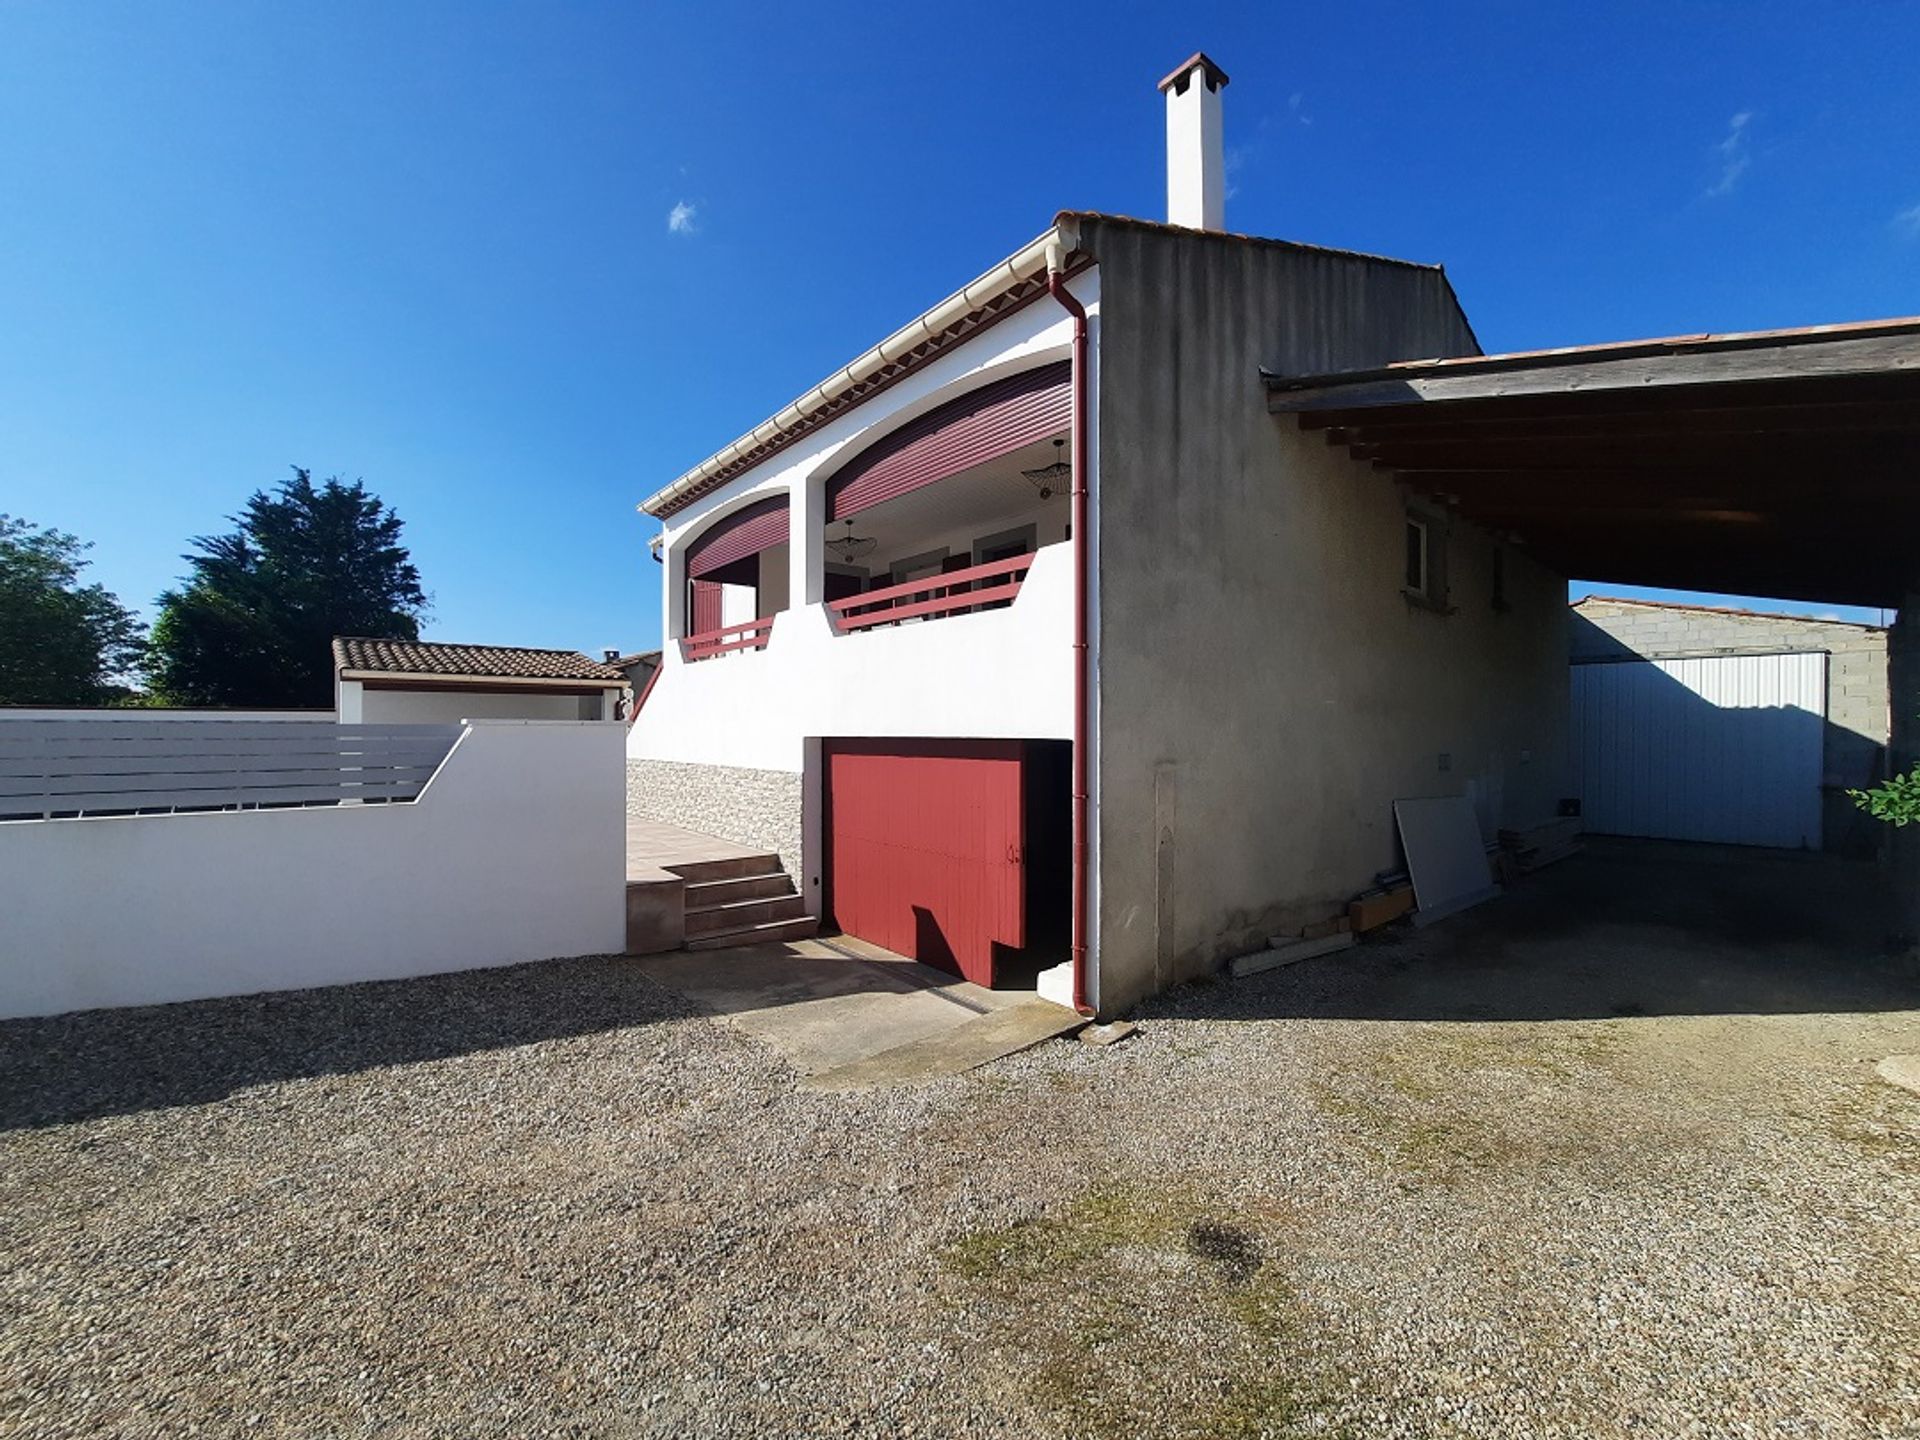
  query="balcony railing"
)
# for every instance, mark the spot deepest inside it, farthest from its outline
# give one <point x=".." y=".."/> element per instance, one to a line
<point x="980" y="587"/>
<point x="748" y="635"/>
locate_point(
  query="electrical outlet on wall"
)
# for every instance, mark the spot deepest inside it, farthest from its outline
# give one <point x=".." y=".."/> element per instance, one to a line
<point x="1446" y="762"/>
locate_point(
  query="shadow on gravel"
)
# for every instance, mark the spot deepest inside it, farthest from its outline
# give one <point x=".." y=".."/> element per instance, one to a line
<point x="1626" y="928"/>
<point x="82" y="1066"/>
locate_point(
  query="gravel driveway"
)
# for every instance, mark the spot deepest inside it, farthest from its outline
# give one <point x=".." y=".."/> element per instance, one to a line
<point x="1603" y="1158"/>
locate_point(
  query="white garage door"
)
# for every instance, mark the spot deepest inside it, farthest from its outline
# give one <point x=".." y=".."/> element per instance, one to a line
<point x="1726" y="749"/>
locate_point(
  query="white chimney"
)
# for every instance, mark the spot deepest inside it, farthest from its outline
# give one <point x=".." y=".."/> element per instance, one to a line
<point x="1196" y="154"/>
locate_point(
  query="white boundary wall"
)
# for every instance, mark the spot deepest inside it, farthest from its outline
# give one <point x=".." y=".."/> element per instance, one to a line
<point x="122" y="714"/>
<point x="516" y="851"/>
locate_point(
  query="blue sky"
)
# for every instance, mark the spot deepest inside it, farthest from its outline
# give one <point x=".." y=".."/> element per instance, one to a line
<point x="432" y="246"/>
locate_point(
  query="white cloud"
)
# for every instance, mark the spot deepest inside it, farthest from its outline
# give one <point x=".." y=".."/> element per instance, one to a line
<point x="1733" y="154"/>
<point x="681" y="220"/>
<point x="1907" y="222"/>
<point x="1295" y="104"/>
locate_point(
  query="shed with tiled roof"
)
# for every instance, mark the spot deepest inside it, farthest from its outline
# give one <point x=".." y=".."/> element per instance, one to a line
<point x="407" y="681"/>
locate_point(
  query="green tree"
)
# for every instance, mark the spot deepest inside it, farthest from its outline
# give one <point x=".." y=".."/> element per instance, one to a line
<point x="61" y="642"/>
<point x="253" y="624"/>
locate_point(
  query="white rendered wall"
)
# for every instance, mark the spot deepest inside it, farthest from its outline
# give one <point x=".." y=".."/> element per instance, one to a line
<point x="515" y="852"/>
<point x="440" y="707"/>
<point x="1000" y="674"/>
<point x="1036" y="335"/>
<point x="156" y="715"/>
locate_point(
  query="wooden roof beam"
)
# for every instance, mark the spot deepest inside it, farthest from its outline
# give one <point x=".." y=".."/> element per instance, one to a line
<point x="1891" y="352"/>
<point x="1822" y="420"/>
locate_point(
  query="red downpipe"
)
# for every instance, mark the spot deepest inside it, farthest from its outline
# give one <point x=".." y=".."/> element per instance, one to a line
<point x="1057" y="287"/>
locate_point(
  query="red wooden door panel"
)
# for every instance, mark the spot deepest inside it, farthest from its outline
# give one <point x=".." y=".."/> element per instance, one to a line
<point x="925" y="848"/>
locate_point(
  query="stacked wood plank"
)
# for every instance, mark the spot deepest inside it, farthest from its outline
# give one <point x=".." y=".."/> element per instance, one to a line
<point x="1541" y="845"/>
<point x="1380" y="906"/>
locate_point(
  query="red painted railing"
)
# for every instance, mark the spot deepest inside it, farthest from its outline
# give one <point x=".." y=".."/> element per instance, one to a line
<point x="979" y="587"/>
<point x="748" y="635"/>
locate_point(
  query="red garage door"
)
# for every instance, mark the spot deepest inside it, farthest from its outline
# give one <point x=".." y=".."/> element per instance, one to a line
<point x="924" y="848"/>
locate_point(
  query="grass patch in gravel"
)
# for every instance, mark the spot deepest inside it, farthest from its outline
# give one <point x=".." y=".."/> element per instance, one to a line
<point x="1143" y="1312"/>
<point x="1874" y="1119"/>
<point x="1453" y="1102"/>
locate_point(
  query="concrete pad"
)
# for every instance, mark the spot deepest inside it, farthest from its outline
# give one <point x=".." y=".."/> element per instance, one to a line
<point x="979" y="1041"/>
<point x="1901" y="1070"/>
<point x="824" y="1005"/>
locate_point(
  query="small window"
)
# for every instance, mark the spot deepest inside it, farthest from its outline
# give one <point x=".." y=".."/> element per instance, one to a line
<point x="1425" y="581"/>
<point x="1416" y="581"/>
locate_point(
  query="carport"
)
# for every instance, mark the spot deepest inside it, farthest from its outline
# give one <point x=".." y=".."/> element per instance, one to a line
<point x="1782" y="463"/>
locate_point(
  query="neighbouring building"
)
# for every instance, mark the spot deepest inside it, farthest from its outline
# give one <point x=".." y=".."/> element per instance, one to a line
<point x="407" y="682"/>
<point x="639" y="668"/>
<point x="1698" y="722"/>
<point x="1081" y="634"/>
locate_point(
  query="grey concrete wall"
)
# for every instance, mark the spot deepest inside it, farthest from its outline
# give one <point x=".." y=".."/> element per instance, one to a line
<point x="749" y="807"/>
<point x="1265" y="690"/>
<point x="1857" y="709"/>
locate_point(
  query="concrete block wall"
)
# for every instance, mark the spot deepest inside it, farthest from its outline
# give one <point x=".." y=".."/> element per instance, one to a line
<point x="761" y="808"/>
<point x="1858" y="713"/>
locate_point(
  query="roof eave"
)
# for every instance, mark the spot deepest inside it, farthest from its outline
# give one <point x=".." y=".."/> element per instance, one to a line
<point x="929" y="328"/>
<point x="488" y="682"/>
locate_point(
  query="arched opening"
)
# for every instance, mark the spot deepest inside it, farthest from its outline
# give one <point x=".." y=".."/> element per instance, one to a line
<point x="736" y="575"/>
<point x="937" y="517"/>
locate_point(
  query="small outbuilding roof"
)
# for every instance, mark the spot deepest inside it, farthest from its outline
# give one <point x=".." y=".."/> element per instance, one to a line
<point x="360" y="655"/>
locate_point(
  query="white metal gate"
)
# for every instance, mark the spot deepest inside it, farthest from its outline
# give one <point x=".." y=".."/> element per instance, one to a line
<point x="1726" y="748"/>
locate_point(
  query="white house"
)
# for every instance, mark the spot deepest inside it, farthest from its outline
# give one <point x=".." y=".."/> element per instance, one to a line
<point x="1013" y="633"/>
<point x="410" y="682"/>
<point x="1082" y="632"/>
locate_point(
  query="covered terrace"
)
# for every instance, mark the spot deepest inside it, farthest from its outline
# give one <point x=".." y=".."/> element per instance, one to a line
<point x="1780" y="463"/>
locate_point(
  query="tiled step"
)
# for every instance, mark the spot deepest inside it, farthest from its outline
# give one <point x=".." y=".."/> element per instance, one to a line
<point x="733" y="868"/>
<point x="773" y="932"/>
<point x="740" y="914"/>
<point x="704" y="893"/>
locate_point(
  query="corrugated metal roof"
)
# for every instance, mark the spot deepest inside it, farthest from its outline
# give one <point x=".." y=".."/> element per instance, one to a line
<point x="1704" y="342"/>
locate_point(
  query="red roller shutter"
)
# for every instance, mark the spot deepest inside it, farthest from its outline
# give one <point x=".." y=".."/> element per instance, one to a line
<point x="980" y="425"/>
<point x="760" y="526"/>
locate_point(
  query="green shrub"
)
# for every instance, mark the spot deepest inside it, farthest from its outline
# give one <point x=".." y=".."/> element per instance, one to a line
<point x="1896" y="801"/>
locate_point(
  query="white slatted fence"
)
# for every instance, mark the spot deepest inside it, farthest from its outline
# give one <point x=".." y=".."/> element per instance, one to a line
<point x="54" y="769"/>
